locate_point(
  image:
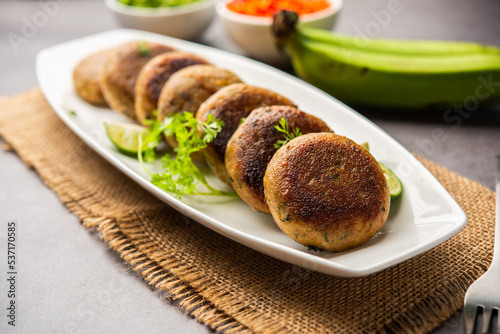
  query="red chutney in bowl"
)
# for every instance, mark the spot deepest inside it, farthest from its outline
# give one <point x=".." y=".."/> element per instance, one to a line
<point x="267" y="8"/>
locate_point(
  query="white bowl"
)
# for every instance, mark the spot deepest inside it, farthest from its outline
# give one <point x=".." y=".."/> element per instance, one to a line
<point x="253" y="34"/>
<point x="185" y="22"/>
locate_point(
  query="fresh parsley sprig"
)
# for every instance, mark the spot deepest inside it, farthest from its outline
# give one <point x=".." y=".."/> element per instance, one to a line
<point x="284" y="128"/>
<point x="181" y="176"/>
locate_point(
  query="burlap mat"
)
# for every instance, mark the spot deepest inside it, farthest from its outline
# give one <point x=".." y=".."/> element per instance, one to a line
<point x="228" y="286"/>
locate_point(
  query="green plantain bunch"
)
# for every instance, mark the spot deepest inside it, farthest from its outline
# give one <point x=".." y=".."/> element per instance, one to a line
<point x="382" y="73"/>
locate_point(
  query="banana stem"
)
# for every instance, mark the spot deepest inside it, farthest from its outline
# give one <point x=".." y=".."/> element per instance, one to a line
<point x="283" y="26"/>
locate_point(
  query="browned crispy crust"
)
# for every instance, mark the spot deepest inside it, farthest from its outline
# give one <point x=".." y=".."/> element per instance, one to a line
<point x="153" y="77"/>
<point x="119" y="74"/>
<point x="326" y="191"/>
<point x="189" y="87"/>
<point x="86" y="76"/>
<point x="231" y="104"/>
<point x="251" y="148"/>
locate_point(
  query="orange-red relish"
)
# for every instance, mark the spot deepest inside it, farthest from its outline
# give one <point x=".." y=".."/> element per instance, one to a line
<point x="268" y="8"/>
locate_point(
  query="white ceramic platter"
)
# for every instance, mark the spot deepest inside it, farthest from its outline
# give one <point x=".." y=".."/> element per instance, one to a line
<point x="423" y="217"/>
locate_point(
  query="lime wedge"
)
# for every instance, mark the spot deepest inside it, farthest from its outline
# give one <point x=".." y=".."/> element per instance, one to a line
<point x="125" y="136"/>
<point x="395" y="185"/>
<point x="365" y="145"/>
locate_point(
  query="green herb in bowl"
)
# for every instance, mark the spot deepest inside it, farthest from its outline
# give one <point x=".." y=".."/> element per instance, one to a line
<point x="184" y="19"/>
<point x="156" y="3"/>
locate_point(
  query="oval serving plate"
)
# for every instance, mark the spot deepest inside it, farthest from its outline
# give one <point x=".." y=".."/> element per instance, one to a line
<point x="423" y="217"/>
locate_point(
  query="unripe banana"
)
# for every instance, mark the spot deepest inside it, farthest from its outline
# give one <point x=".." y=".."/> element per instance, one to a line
<point x="425" y="47"/>
<point x="390" y="74"/>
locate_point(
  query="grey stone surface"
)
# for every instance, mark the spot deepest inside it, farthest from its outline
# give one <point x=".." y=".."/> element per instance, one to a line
<point x="70" y="282"/>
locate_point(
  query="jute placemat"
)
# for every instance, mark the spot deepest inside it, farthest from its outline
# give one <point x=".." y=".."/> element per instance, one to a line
<point x="230" y="287"/>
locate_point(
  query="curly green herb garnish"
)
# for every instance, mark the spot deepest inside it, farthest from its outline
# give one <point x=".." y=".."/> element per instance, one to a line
<point x="284" y="128"/>
<point x="181" y="175"/>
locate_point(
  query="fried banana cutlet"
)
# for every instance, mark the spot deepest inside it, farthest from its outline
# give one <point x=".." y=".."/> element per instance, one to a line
<point x="86" y="77"/>
<point x="325" y="191"/>
<point x="153" y="77"/>
<point x="120" y="71"/>
<point x="252" y="146"/>
<point x="188" y="88"/>
<point x="231" y="104"/>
